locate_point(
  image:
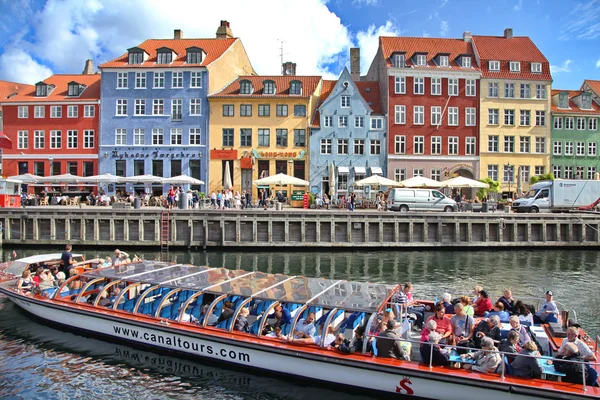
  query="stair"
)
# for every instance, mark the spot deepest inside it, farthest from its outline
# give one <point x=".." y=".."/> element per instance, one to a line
<point x="165" y="234"/>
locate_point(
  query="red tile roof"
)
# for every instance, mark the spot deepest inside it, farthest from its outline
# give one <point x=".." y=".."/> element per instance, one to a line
<point x="326" y="89"/>
<point x="282" y="86"/>
<point x="370" y="92"/>
<point x="595" y="85"/>
<point x="9" y="88"/>
<point x="61" y="90"/>
<point x="517" y="48"/>
<point x="573" y="108"/>
<point x="213" y="48"/>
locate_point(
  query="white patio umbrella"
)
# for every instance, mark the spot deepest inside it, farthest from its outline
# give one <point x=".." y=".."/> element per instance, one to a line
<point x="462" y="182"/>
<point x="147" y="179"/>
<point x="26" y="178"/>
<point x="227" y="184"/>
<point x="183" y="180"/>
<point x="281" y="179"/>
<point x="419" y="181"/>
<point x="377" y="180"/>
<point x="102" y="178"/>
<point x="63" y="178"/>
<point x="331" y="180"/>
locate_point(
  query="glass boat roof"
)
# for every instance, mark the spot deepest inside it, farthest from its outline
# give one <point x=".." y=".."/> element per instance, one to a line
<point x="328" y="293"/>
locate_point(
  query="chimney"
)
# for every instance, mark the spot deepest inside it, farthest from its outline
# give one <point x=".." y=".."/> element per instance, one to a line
<point x="467" y="36"/>
<point x="508" y="33"/>
<point x="289" y="68"/>
<point x="177" y="34"/>
<point x="223" y="31"/>
<point x="355" y="63"/>
<point x="89" y="68"/>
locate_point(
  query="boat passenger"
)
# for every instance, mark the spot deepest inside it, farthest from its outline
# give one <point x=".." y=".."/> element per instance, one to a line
<point x="388" y="344"/>
<point x="212" y="318"/>
<point x="548" y="312"/>
<point x="583" y="348"/>
<point x="67" y="260"/>
<point x="487" y="359"/>
<point x="466" y="302"/>
<point x="356" y="345"/>
<point x="59" y="276"/>
<point x="285" y="316"/>
<point x="510" y="345"/>
<point x="119" y="257"/>
<point x="572" y="370"/>
<point x="25" y="282"/>
<point x="414" y="307"/>
<point x="499" y="311"/>
<point x="448" y="306"/>
<point x="476" y="294"/>
<point x="37" y="278"/>
<point x="47" y="280"/>
<point x="305" y="328"/>
<point x="515" y="325"/>
<point x="443" y="325"/>
<point x="241" y="323"/>
<point x="437" y="355"/>
<point x="527" y="367"/>
<point x="523" y="312"/>
<point x="430" y="326"/>
<point x="463" y="327"/>
<point x="482" y="304"/>
<point x="277" y="333"/>
<point x="487" y="328"/>
<point x="74" y="284"/>
<point x="227" y="312"/>
<point x="329" y="338"/>
<point x="507" y="300"/>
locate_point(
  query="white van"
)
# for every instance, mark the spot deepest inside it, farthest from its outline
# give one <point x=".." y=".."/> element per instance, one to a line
<point x="405" y="199"/>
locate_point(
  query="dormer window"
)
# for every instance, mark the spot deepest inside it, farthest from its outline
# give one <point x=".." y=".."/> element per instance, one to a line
<point x="295" y="87"/>
<point x="399" y="61"/>
<point x="494" y="65"/>
<point x="136" y="58"/>
<point x="164" y="55"/>
<point x="536" y="68"/>
<point x="466" y="61"/>
<point x="41" y="90"/>
<point x="563" y="100"/>
<point x="246" y="87"/>
<point x="269" y="87"/>
<point x="194" y="55"/>
<point x="515" y="66"/>
<point x="586" y="101"/>
<point x="75" y="89"/>
<point x="421" y="59"/>
<point x="443" y="61"/>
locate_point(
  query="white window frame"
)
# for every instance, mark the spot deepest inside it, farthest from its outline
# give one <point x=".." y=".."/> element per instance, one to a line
<point x="177" y="80"/>
<point x="436" y="86"/>
<point x="158" y="136"/>
<point x="418" y="115"/>
<point x="359" y="146"/>
<point x="72" y="111"/>
<point x="592" y="149"/>
<point x="22" y="139"/>
<point x="400" y="144"/>
<point x="493" y="143"/>
<point x="195" y="107"/>
<point x="55" y="111"/>
<point x="72" y="139"/>
<point x="494" y="66"/>
<point x="540" y="91"/>
<point x="514" y="66"/>
<point x="157" y="106"/>
<point x="470" y="87"/>
<point x="581" y="124"/>
<point x="325" y="146"/>
<point x="419" y="85"/>
<point x="466" y="62"/>
<point x="525" y="144"/>
<point x="345" y="101"/>
<point x="493" y="91"/>
<point x="343" y="146"/>
<point x="400" y="85"/>
<point x="376" y="123"/>
<point x="196" y="79"/>
<point x="509" y="90"/>
<point x="569" y="148"/>
<point x="525" y="91"/>
<point x="470" y="116"/>
<point x="39" y="139"/>
<point x="359" y="121"/>
<point x="399" y="61"/>
<point x="140" y="105"/>
<point x="342" y="121"/>
<point x="540" y="118"/>
<point x="89" y="111"/>
<point x="436" y="115"/>
<point x="375" y="147"/>
<point x="569" y="123"/>
<point x="540" y="145"/>
<point x="493" y="116"/>
<point x="453" y="119"/>
<point x="195" y="137"/>
<point x="453" y="145"/>
<point x="139" y="136"/>
<point x="436" y="145"/>
<point x="421" y="60"/>
<point x="122" y="105"/>
<point x="55" y="139"/>
<point x="400" y="115"/>
<point x="558" y="123"/>
<point x="557" y="148"/>
<point x="39" y="112"/>
<point x="580" y="149"/>
<point x="122" y="80"/>
<point x="327" y="121"/>
<point x="524" y="117"/>
<point x="452" y="86"/>
<point x="470" y="146"/>
<point x="176" y="136"/>
<point x="140" y="80"/>
<point x="536" y="68"/>
<point x="89" y="138"/>
<point x="492" y="172"/>
<point x="444" y="61"/>
<point x="158" y="81"/>
<point x="592" y="124"/>
<point x="399" y="174"/>
<point x="120" y="137"/>
<point x="418" y="144"/>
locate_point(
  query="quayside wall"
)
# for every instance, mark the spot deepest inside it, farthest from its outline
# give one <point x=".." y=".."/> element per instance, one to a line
<point x="96" y="226"/>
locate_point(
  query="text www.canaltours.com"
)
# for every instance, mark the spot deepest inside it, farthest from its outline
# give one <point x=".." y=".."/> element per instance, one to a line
<point x="182" y="344"/>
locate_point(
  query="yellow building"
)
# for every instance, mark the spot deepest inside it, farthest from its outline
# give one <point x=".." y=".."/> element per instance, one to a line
<point x="514" y="110"/>
<point x="259" y="127"/>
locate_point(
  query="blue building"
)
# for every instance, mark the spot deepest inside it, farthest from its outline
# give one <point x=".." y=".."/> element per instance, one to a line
<point x="348" y="136"/>
<point x="154" y="106"/>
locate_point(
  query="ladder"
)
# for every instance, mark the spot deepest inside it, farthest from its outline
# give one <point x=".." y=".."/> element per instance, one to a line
<point x="165" y="234"/>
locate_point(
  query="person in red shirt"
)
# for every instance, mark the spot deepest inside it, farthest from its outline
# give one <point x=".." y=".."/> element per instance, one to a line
<point x="483" y="303"/>
<point x="443" y="325"/>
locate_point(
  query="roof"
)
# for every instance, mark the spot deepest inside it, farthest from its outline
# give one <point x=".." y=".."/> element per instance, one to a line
<point x="326" y="89"/>
<point x="213" y="48"/>
<point x="370" y="92"/>
<point x="573" y="108"/>
<point x="517" y="48"/>
<point x="61" y="90"/>
<point x="9" y="88"/>
<point x="282" y="86"/>
<point x="432" y="46"/>
<point x="595" y="85"/>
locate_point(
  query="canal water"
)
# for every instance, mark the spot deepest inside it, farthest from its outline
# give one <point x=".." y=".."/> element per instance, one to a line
<point x="38" y="361"/>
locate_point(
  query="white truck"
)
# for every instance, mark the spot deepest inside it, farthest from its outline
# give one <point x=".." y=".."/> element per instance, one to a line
<point x="558" y="195"/>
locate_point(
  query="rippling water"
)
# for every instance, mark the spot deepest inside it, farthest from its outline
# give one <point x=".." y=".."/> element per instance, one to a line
<point x="38" y="361"/>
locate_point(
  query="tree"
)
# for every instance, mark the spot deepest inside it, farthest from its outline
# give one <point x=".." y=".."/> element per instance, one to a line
<point x="545" y="177"/>
<point x="494" y="187"/>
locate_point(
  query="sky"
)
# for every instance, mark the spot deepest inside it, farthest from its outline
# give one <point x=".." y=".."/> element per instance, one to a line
<point x="42" y="37"/>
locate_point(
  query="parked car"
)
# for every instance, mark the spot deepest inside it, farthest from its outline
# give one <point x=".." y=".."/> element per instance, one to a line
<point x="405" y="199"/>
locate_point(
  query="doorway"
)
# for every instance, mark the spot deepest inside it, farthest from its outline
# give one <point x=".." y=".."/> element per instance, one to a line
<point x="247" y="180"/>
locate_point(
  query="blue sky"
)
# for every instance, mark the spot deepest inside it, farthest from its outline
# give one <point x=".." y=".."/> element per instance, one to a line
<point x="41" y="37"/>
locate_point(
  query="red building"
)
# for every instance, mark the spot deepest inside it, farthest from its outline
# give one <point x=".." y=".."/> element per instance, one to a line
<point x="54" y="127"/>
<point x="430" y="88"/>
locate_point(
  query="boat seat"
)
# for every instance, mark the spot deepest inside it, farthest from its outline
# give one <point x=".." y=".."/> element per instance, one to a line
<point x="504" y="333"/>
<point x="351" y="323"/>
<point x="256" y="325"/>
<point x="166" y="312"/>
<point x="507" y="368"/>
<point x="223" y="324"/>
<point x="128" y="305"/>
<point x="48" y="292"/>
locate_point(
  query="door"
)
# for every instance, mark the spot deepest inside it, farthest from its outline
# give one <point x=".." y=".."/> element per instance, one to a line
<point x="438" y="201"/>
<point x="543" y="199"/>
<point x="247" y="180"/>
<point x="423" y="200"/>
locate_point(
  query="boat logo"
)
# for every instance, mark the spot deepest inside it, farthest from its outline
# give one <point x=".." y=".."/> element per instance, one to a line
<point x="404" y="386"/>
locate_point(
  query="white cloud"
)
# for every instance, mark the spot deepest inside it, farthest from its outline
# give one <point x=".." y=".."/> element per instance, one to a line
<point x="598" y="63"/>
<point x="426" y="34"/>
<point x="583" y="21"/>
<point x="361" y="3"/>
<point x="444" y="2"/>
<point x="565" y="67"/>
<point x="519" y="5"/>
<point x="18" y="66"/>
<point x="444" y="28"/>
<point x="368" y="41"/>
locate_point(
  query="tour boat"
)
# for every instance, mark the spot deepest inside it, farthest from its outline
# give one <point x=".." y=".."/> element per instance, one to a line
<point x="158" y="304"/>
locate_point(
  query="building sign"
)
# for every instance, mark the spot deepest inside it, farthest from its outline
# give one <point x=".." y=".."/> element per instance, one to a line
<point x="246" y="163"/>
<point x="278" y="154"/>
<point x="154" y="154"/>
<point x="223" y="154"/>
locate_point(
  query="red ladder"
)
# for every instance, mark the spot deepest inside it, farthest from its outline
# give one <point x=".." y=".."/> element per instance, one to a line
<point x="165" y="232"/>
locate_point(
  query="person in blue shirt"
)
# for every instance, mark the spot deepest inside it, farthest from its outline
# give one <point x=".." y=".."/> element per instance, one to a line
<point x="499" y="311"/>
<point x="286" y="317"/>
<point x="548" y="312"/>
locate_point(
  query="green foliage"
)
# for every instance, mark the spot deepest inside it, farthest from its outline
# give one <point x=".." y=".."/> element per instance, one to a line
<point x="494" y="187"/>
<point x="546" y="177"/>
<point x="311" y="198"/>
<point x="201" y="195"/>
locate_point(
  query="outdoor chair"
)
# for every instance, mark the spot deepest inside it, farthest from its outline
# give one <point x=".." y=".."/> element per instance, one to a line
<point x="44" y="201"/>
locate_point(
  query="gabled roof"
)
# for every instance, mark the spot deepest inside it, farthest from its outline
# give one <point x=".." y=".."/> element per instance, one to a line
<point x="517" y="48"/>
<point x="326" y="89"/>
<point x="61" y="90"/>
<point x="595" y="85"/>
<point x="213" y="48"/>
<point x="573" y="108"/>
<point x="282" y="86"/>
<point x="9" y="88"/>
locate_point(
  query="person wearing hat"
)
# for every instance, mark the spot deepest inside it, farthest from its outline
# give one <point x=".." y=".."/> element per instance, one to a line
<point x="548" y="312"/>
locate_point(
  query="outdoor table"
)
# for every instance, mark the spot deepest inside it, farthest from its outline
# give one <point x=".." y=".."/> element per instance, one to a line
<point x="548" y="369"/>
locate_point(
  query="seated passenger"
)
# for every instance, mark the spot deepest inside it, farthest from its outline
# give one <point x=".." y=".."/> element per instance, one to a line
<point x="523" y="312"/>
<point x="510" y="345"/>
<point x="487" y="361"/>
<point x="487" y="328"/>
<point x="437" y="355"/>
<point x="414" y="307"/>
<point x="482" y="304"/>
<point x="430" y="326"/>
<point x="388" y="344"/>
<point x="448" y="306"/>
<point x="25" y="282"/>
<point x="507" y="300"/>
<point x="548" y="312"/>
<point x="241" y="322"/>
<point x="305" y="328"/>
<point x="573" y="371"/>
<point x="499" y="311"/>
<point x="277" y="334"/>
<point x="466" y="302"/>
<point x="584" y="352"/>
<point x="227" y="311"/>
<point x="516" y="326"/>
<point x="212" y="318"/>
<point x="527" y="367"/>
<point x="37" y="278"/>
<point x="443" y="325"/>
<point x="463" y="327"/>
<point x="46" y="280"/>
<point x="285" y="316"/>
<point x="476" y="295"/>
<point x="356" y="345"/>
<point x="329" y="338"/>
<point x="59" y="276"/>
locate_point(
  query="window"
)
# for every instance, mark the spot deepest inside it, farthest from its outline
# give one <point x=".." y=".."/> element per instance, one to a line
<point x="509" y="144"/>
<point x="264" y="110"/>
<point x="140" y="107"/>
<point x="38" y="112"/>
<point x="55" y="139"/>
<point x="493" y="172"/>
<point x="196" y="79"/>
<point x="443" y="61"/>
<point x="539" y="170"/>
<point x="399" y="144"/>
<point x="23" y="139"/>
<point x="281" y="137"/>
<point x="359" y="122"/>
<point x="493" y="89"/>
<point x="175" y="167"/>
<point x="418" y="172"/>
<point x="345" y="101"/>
<point x="327" y="121"/>
<point x="269" y="87"/>
<point x="580" y="124"/>
<point x="493" y="143"/>
<point x="400" y="114"/>
<point x="592" y="124"/>
<point x="38" y="168"/>
<point x="359" y="146"/>
<point x="158" y="107"/>
<point x="89" y="111"/>
<point x="540" y="118"/>
<point x="540" y="145"/>
<point x="176" y="136"/>
<point x="38" y="139"/>
<point x="525" y="118"/>
<point x="138" y="167"/>
<point x="342" y="182"/>
<point x="246" y="137"/>
<point x="121" y="107"/>
<point x="592" y="149"/>
<point x="493" y="116"/>
<point x="525" y="173"/>
<point x="452" y="87"/>
<point x="399" y="174"/>
<point x="176" y="109"/>
<point x="509" y="117"/>
<point x="295" y="87"/>
<point x="121" y="80"/>
<point x="264" y="137"/>
<point x="540" y="91"/>
<point x="157" y="136"/>
<point x="121" y="137"/>
<point x="556" y="171"/>
<point x="55" y="111"/>
<point x="399" y="61"/>
<point x="164" y="57"/>
<point x="375" y="147"/>
<point x="159" y="80"/>
<point x="568" y="172"/>
<point x="586" y="101"/>
<point x="41" y="90"/>
<point x="525" y="144"/>
<point x="453" y="116"/>
<point x="509" y="175"/>
<point x="563" y="100"/>
<point x="195" y="107"/>
<point x="138" y="136"/>
<point x="419" y="115"/>
<point x="436" y="145"/>
<point x="568" y="148"/>
<point x="282" y="110"/>
<point x="466" y="62"/>
<point x="342" y="146"/>
<point x="470" y="146"/>
<point x="194" y="57"/>
<point x="245" y="87"/>
<point x="536" y="68"/>
<point x="88" y="139"/>
<point x="569" y="121"/>
<point x="72" y="168"/>
<point x="376" y="123"/>
<point x="509" y="90"/>
<point x="436" y="86"/>
<point x="72" y="112"/>
<point x="299" y="110"/>
<point x="196" y="136"/>
<point x="494" y="65"/>
<point x="325" y="146"/>
<point x="471" y="87"/>
<point x="557" y="148"/>
<point x="591" y="172"/>
<point x="177" y="80"/>
<point x="436" y="115"/>
<point x="436" y="174"/>
<point x="228" y="137"/>
<point x="470" y="116"/>
<point x="343" y="121"/>
<point x="299" y="137"/>
<point x="228" y="110"/>
<point x="400" y="85"/>
<point x="515" y="66"/>
<point x="558" y="123"/>
<point x="72" y="140"/>
<point x="419" y="145"/>
<point x="419" y="86"/>
<point x="580" y="149"/>
<point x="421" y="59"/>
<point x="140" y="80"/>
<point x="525" y="91"/>
<point x="453" y="145"/>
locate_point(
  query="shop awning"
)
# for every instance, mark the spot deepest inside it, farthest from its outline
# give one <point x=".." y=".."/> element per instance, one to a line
<point x="360" y="170"/>
<point x="376" y="171"/>
<point x="5" y="142"/>
<point x="343" y="170"/>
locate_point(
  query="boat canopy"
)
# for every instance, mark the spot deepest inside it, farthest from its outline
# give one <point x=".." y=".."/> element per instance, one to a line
<point x="327" y="293"/>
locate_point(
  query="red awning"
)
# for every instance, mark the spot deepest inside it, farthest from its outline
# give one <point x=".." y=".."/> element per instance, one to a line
<point x="5" y="142"/>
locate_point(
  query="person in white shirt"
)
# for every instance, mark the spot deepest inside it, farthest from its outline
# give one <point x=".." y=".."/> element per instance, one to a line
<point x="329" y="338"/>
<point x="584" y="349"/>
<point x="277" y="334"/>
<point x="548" y="311"/>
<point x="305" y="328"/>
